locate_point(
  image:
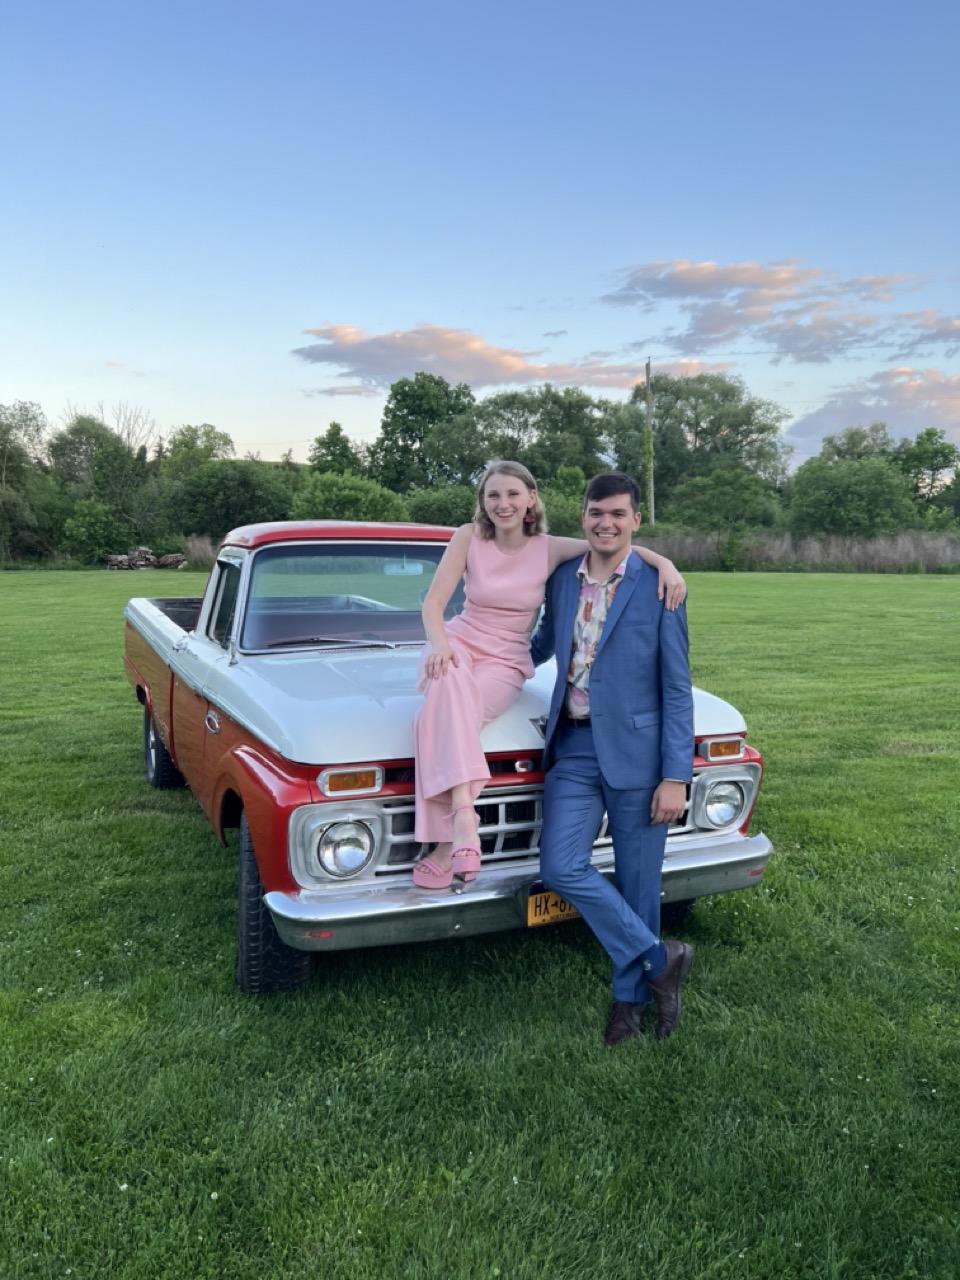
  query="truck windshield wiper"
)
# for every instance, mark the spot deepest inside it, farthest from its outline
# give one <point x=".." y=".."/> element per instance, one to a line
<point x="344" y="640"/>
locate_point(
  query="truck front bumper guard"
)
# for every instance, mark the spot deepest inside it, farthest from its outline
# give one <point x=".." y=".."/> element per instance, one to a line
<point x="390" y="909"/>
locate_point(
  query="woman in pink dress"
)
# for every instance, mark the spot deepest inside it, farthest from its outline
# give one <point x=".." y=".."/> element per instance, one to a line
<point x="475" y="664"/>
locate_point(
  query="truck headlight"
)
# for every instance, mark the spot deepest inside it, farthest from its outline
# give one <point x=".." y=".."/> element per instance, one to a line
<point x="345" y="848"/>
<point x="723" y="803"/>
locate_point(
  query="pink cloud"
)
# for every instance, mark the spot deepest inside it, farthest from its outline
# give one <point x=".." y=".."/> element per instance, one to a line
<point x="788" y="311"/>
<point x="906" y="399"/>
<point x="374" y="361"/>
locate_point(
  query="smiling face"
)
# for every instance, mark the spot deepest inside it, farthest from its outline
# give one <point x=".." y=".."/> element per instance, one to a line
<point x="609" y="524"/>
<point x="506" y="500"/>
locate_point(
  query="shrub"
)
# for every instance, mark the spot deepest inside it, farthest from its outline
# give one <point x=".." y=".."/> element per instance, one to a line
<point x="563" y="512"/>
<point x="93" y="532"/>
<point x="219" y="496"/>
<point x="451" y="504"/>
<point x="332" y="496"/>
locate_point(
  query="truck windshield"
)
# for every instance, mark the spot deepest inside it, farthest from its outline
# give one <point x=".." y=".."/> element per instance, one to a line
<point x="357" y="591"/>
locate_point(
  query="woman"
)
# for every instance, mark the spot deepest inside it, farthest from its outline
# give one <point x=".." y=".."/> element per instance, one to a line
<point x="476" y="664"/>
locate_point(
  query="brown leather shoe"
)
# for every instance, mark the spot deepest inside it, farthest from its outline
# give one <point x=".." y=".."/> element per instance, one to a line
<point x="666" y="989"/>
<point x="625" y="1021"/>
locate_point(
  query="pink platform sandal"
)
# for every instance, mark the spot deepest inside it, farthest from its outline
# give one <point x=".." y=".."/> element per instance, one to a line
<point x="466" y="857"/>
<point x="428" y="874"/>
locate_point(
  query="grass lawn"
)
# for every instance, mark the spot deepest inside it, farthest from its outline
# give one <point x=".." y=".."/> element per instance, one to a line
<point x="448" y="1110"/>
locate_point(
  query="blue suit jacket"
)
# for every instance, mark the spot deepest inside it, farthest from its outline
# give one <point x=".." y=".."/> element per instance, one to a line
<point x="641" y="701"/>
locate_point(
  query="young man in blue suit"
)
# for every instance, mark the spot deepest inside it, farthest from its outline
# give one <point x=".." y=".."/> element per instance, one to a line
<point x="619" y="738"/>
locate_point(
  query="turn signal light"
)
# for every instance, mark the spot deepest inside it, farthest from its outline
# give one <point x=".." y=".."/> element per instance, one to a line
<point x="723" y="749"/>
<point x="338" y="782"/>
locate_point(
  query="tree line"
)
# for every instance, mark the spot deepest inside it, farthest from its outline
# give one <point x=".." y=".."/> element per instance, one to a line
<point x="95" y="487"/>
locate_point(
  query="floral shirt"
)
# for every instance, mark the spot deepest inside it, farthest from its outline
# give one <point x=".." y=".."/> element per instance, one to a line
<point x="595" y="601"/>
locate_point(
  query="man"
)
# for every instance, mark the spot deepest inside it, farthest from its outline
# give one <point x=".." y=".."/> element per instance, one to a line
<point x="619" y="738"/>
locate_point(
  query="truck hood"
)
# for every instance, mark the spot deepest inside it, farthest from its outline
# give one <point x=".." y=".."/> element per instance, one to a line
<point x="350" y="706"/>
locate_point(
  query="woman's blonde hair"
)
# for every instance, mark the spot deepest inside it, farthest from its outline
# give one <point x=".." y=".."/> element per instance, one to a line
<point x="535" y="521"/>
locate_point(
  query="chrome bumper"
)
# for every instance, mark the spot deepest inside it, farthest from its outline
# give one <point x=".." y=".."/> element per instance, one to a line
<point x="391" y="909"/>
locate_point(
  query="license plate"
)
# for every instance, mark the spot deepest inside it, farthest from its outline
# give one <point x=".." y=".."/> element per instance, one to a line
<point x="544" y="907"/>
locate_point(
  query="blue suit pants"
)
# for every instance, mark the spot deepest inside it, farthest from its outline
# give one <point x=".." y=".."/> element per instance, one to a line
<point x="625" y="915"/>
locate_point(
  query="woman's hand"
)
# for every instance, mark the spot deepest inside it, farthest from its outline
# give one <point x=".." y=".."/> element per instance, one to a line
<point x="672" y="588"/>
<point x="438" y="662"/>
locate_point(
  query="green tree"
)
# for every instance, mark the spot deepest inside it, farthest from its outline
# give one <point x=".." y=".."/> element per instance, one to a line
<point x="570" y="481"/>
<point x="15" y="518"/>
<point x="93" y="462"/>
<point x="332" y="495"/>
<point x="190" y="447"/>
<point x="725" y="497"/>
<point x="569" y="427"/>
<point x="93" y="532"/>
<point x="414" y="407"/>
<point x="725" y="502"/>
<point x="563" y="512"/>
<point x="508" y="423"/>
<point x="456" y="451"/>
<point x="926" y="462"/>
<point x="858" y="498"/>
<point x="855" y="443"/>
<point x="948" y="499"/>
<point x="22" y="428"/>
<point x="704" y="420"/>
<point x="623" y="426"/>
<point x="219" y="496"/>
<point x="449" y="504"/>
<point x="333" y="451"/>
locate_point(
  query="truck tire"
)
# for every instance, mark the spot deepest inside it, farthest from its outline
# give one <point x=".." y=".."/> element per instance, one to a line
<point x="264" y="962"/>
<point x="676" y="915"/>
<point x="161" y="772"/>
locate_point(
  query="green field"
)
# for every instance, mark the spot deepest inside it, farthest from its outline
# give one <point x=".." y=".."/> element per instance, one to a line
<point x="448" y="1110"/>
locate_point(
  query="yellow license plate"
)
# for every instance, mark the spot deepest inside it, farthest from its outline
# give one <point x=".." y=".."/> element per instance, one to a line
<point x="544" y="907"/>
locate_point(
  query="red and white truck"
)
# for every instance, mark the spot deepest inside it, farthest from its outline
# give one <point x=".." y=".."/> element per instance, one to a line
<point x="285" y="700"/>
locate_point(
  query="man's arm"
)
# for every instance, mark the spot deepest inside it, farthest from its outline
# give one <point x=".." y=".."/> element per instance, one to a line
<point x="543" y="642"/>
<point x="676" y="712"/>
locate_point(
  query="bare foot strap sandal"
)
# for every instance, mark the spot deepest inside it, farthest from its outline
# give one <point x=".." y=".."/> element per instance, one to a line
<point x="466" y="857"/>
<point x="428" y="874"/>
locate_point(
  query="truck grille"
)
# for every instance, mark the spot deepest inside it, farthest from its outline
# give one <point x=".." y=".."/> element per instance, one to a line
<point x="510" y="822"/>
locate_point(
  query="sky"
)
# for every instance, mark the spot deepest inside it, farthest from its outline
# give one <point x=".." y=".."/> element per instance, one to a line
<point x="259" y="216"/>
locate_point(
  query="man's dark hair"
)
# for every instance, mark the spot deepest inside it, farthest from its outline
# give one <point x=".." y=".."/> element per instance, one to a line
<point x="608" y="485"/>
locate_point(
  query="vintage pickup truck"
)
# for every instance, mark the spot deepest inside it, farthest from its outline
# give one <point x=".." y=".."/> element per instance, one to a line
<point x="285" y="699"/>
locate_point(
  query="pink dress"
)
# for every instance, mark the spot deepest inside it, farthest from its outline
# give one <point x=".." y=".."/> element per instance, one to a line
<point x="491" y="637"/>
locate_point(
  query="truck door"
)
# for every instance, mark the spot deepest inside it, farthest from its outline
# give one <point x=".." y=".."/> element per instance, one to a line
<point x="193" y="657"/>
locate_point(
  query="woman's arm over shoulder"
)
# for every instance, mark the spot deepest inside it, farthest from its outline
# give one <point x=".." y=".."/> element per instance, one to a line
<point x="561" y="549"/>
<point x="672" y="588"/>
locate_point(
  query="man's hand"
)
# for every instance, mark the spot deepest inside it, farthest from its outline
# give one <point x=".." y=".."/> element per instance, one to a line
<point x="669" y="802"/>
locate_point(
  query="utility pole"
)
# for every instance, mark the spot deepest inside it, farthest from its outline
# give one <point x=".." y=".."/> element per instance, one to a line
<point x="648" y="450"/>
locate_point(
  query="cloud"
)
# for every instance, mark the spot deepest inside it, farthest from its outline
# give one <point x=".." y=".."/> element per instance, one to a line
<point x="374" y="361"/>
<point x="787" y="310"/>
<point x="344" y="389"/>
<point x="114" y="364"/>
<point x="556" y="333"/>
<point x="906" y="399"/>
<point x="932" y="327"/>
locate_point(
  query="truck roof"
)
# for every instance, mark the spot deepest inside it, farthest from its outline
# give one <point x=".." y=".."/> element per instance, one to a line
<point x="258" y="535"/>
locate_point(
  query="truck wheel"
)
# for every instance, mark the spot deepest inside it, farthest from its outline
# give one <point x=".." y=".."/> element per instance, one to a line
<point x="675" y="915"/>
<point x="161" y="771"/>
<point x="264" y="962"/>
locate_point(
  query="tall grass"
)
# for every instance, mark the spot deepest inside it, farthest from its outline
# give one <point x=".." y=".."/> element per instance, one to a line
<point x="907" y="552"/>
<point x="200" y="552"/>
